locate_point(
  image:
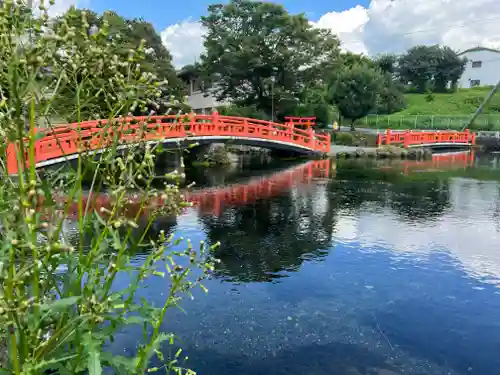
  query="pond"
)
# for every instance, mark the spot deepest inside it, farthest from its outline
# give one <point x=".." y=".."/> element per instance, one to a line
<point x="345" y="268"/>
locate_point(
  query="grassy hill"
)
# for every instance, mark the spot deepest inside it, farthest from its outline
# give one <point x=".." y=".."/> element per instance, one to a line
<point x="442" y="111"/>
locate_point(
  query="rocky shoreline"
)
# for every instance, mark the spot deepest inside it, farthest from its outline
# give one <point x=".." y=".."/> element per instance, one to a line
<point x="383" y="152"/>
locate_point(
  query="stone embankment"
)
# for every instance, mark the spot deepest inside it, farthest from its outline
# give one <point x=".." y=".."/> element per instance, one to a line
<point x="384" y="152"/>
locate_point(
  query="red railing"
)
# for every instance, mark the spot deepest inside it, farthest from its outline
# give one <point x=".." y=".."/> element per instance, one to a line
<point x="213" y="200"/>
<point x="417" y="138"/>
<point x="86" y="136"/>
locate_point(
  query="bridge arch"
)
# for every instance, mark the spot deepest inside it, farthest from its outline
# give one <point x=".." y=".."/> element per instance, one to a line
<point x="66" y="142"/>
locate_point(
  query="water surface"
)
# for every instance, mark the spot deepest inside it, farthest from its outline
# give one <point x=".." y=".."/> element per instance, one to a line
<point x="349" y="268"/>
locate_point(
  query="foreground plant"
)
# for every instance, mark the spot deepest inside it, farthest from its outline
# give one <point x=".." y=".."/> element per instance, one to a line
<point x="60" y="305"/>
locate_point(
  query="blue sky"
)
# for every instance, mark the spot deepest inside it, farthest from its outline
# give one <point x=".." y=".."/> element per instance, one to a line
<point x="363" y="26"/>
<point x="163" y="14"/>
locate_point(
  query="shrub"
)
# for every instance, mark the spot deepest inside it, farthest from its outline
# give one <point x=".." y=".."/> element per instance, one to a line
<point x="346" y="139"/>
<point x="60" y="322"/>
<point x="218" y="155"/>
<point x="243" y="111"/>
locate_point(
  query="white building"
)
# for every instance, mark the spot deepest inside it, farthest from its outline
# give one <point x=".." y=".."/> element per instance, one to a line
<point x="482" y="69"/>
<point x="201" y="95"/>
<point x="204" y="100"/>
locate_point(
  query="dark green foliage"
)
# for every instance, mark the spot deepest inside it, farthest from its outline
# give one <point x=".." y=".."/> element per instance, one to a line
<point x="125" y="36"/>
<point x="350" y="59"/>
<point x="240" y="111"/>
<point x="325" y="114"/>
<point x="390" y="98"/>
<point x="417" y="66"/>
<point x="346" y="139"/>
<point x="260" y="54"/>
<point x="355" y="90"/>
<point x="387" y="63"/>
<point x="449" y="69"/>
<point x="431" y="68"/>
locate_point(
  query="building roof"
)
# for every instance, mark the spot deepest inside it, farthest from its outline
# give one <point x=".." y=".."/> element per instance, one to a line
<point x="479" y="48"/>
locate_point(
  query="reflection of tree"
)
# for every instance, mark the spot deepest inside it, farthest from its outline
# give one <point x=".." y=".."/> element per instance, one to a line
<point x="71" y="235"/>
<point x="412" y="198"/>
<point x="259" y="241"/>
<point x="417" y="200"/>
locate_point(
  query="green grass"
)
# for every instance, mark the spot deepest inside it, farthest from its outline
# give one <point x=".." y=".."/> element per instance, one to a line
<point x="441" y="111"/>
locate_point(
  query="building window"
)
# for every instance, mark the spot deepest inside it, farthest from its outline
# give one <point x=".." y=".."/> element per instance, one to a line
<point x="474" y="82"/>
<point x="477" y="64"/>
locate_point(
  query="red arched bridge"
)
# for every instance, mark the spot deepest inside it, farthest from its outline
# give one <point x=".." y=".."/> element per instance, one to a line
<point x="442" y="138"/>
<point x="213" y="200"/>
<point x="66" y="142"/>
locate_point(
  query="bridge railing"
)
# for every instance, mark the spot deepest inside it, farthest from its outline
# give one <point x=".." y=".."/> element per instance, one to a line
<point x="420" y="138"/>
<point x="94" y="135"/>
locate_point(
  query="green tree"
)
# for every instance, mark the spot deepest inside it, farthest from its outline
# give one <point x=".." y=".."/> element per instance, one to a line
<point x="355" y="90"/>
<point x="262" y="56"/>
<point x="240" y="111"/>
<point x="449" y="69"/>
<point x="391" y="97"/>
<point x="431" y="68"/>
<point x="349" y="59"/>
<point x="387" y="63"/>
<point x="315" y="104"/>
<point x="124" y="36"/>
<point x="417" y="67"/>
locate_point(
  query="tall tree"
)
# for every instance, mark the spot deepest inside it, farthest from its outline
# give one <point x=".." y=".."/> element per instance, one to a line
<point x="262" y="55"/>
<point x="124" y="36"/>
<point x="417" y="67"/>
<point x="449" y="69"/>
<point x="431" y="68"/>
<point x="387" y="63"/>
<point x="354" y="90"/>
<point x="391" y="97"/>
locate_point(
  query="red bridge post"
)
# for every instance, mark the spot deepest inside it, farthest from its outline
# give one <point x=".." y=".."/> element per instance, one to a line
<point x="407" y="138"/>
<point x="388" y="137"/>
<point x="11" y="158"/>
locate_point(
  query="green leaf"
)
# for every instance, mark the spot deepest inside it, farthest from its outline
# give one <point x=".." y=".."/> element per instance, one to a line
<point x="51" y="364"/>
<point x="135" y="320"/>
<point x="119" y="362"/>
<point x="94" y="360"/>
<point x="155" y="345"/>
<point x="60" y="303"/>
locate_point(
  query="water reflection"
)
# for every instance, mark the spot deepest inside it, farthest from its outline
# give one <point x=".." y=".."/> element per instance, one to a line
<point x="262" y="240"/>
<point x="381" y="268"/>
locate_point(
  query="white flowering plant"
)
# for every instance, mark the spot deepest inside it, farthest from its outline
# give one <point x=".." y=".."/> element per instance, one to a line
<point x="60" y="305"/>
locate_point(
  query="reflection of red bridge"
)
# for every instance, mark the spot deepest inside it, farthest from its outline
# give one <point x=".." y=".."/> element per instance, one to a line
<point x="66" y="142"/>
<point x="441" y="161"/>
<point x="213" y="200"/>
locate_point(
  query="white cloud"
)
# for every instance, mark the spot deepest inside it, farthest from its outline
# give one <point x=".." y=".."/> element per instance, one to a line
<point x="348" y="26"/>
<point x="184" y="41"/>
<point x="469" y="221"/>
<point x="396" y="25"/>
<point x="384" y="26"/>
